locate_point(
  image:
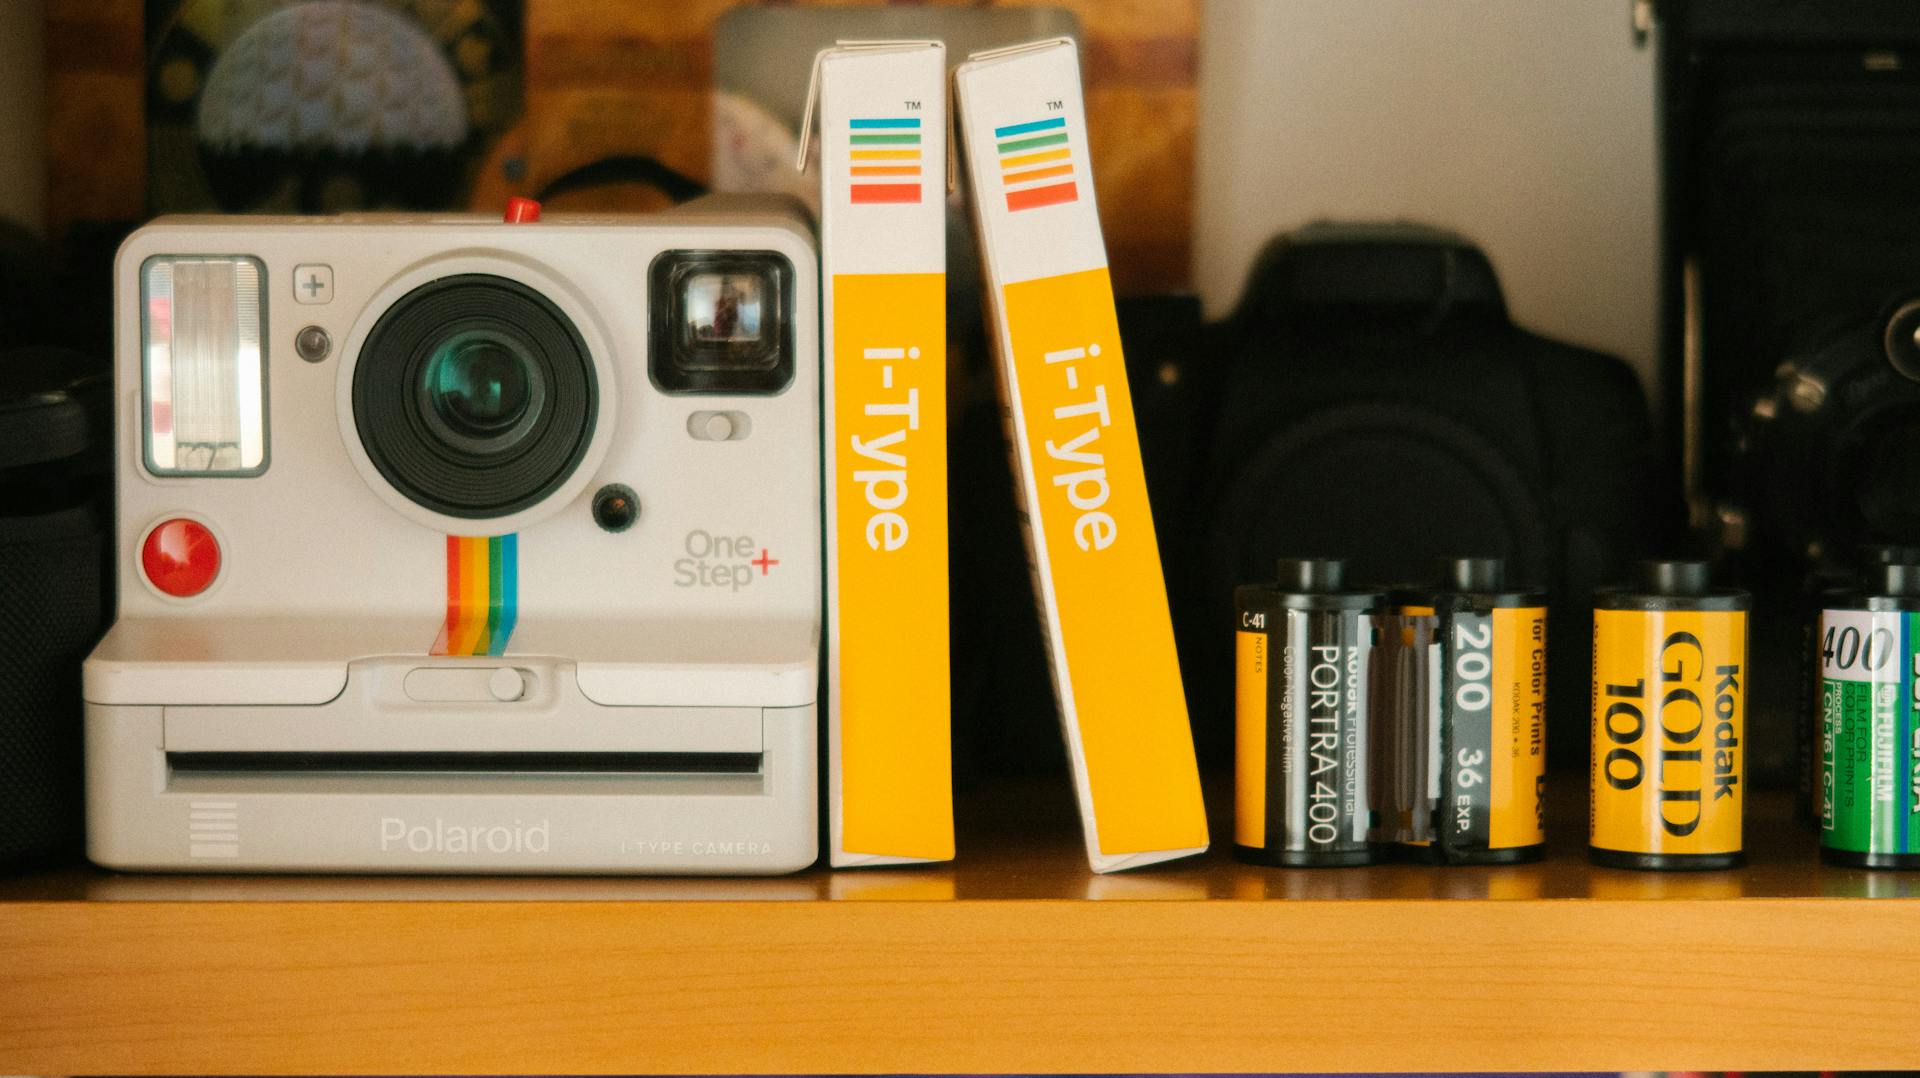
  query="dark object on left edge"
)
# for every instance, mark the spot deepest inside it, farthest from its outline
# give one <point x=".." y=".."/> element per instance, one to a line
<point x="55" y="512"/>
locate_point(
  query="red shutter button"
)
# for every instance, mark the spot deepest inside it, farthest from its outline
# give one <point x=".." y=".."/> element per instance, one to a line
<point x="181" y="557"/>
<point x="522" y="211"/>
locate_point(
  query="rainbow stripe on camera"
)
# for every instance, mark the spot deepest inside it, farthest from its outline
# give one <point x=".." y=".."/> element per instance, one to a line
<point x="483" y="595"/>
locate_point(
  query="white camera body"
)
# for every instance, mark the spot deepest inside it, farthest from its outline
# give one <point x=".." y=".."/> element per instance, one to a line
<point x="515" y="536"/>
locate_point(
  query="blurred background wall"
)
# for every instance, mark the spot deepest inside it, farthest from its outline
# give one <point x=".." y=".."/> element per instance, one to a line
<point x="1527" y="125"/>
<point x="23" y="104"/>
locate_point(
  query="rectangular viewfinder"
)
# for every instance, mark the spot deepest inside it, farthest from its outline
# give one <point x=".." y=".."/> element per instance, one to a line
<point x="724" y="308"/>
<point x="721" y="322"/>
<point x="204" y="386"/>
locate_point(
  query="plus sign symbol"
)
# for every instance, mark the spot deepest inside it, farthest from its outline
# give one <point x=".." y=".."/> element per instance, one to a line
<point x="313" y="283"/>
<point x="765" y="561"/>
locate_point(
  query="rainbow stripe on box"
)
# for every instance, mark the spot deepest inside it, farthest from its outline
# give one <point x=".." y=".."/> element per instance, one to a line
<point x="1036" y="164"/>
<point x="483" y="595"/>
<point x="884" y="160"/>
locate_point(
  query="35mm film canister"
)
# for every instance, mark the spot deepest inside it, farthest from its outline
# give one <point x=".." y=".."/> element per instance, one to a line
<point x="1490" y="763"/>
<point x="1809" y="721"/>
<point x="1302" y="649"/>
<point x="1869" y="655"/>
<point x="1669" y="721"/>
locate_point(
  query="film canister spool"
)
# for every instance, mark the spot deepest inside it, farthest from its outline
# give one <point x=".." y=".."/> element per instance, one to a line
<point x="1669" y="721"/>
<point x="1302" y="651"/>
<point x="1868" y="650"/>
<point x="1402" y="734"/>
<point x="1489" y="763"/>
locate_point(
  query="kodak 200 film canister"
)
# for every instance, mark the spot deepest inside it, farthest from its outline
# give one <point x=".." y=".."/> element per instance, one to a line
<point x="1869" y="655"/>
<point x="1302" y="650"/>
<point x="1490" y="763"/>
<point x="1669" y="721"/>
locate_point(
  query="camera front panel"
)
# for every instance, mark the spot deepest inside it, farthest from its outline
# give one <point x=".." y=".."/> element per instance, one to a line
<point x="416" y="380"/>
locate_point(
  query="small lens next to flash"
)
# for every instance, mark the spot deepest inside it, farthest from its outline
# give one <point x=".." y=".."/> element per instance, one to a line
<point x="721" y="322"/>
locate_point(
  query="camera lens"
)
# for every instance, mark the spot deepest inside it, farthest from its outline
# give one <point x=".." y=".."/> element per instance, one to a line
<point x="478" y="384"/>
<point x="475" y="396"/>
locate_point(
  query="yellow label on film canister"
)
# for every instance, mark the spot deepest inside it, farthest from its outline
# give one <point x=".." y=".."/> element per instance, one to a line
<point x="1250" y="738"/>
<point x="1516" y="813"/>
<point x="1669" y="726"/>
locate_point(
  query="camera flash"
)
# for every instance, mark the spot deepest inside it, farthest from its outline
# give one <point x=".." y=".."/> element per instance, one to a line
<point x="205" y="385"/>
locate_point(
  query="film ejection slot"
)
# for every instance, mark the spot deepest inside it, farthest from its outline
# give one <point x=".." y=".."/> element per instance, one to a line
<point x="467" y="684"/>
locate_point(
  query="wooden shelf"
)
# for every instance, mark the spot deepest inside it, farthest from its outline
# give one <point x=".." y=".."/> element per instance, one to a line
<point x="1016" y="958"/>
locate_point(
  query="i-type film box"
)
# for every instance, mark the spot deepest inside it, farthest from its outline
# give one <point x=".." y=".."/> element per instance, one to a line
<point x="1076" y="457"/>
<point x="883" y="154"/>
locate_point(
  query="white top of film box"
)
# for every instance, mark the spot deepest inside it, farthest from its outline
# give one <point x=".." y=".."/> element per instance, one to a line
<point x="1026" y="137"/>
<point x="883" y="156"/>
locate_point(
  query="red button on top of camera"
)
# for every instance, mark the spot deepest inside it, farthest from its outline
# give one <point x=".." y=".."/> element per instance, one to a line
<point x="181" y="557"/>
<point x="522" y="211"/>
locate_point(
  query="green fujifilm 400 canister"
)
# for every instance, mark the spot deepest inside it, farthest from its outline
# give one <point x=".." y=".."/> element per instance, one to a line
<point x="1822" y="584"/>
<point x="1302" y="650"/>
<point x="1490" y="718"/>
<point x="1869" y="653"/>
<point x="1669" y="721"/>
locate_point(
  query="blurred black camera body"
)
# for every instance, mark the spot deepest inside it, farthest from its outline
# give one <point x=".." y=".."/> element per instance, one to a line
<point x="56" y="484"/>
<point x="1828" y="457"/>
<point x="1371" y="400"/>
<point x="1791" y="139"/>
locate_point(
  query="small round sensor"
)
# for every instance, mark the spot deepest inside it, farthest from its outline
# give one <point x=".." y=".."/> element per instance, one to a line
<point x="616" y="507"/>
<point x="313" y="344"/>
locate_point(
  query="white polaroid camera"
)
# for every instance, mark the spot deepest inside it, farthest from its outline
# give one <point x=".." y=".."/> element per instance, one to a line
<point x="452" y="545"/>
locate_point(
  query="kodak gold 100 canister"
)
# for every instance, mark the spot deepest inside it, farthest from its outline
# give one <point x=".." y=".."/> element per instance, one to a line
<point x="1669" y="721"/>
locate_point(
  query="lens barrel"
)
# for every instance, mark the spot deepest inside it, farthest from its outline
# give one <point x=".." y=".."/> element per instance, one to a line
<point x="475" y="396"/>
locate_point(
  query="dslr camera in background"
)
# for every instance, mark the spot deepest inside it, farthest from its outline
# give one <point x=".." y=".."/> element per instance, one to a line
<point x="1369" y="399"/>
<point x="1791" y="142"/>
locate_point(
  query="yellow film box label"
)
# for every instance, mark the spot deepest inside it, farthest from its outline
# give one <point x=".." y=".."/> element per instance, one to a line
<point x="1099" y="564"/>
<point x="889" y="406"/>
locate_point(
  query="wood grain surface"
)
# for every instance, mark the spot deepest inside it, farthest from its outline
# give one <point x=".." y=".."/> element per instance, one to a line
<point x="1014" y="959"/>
<point x="482" y="987"/>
